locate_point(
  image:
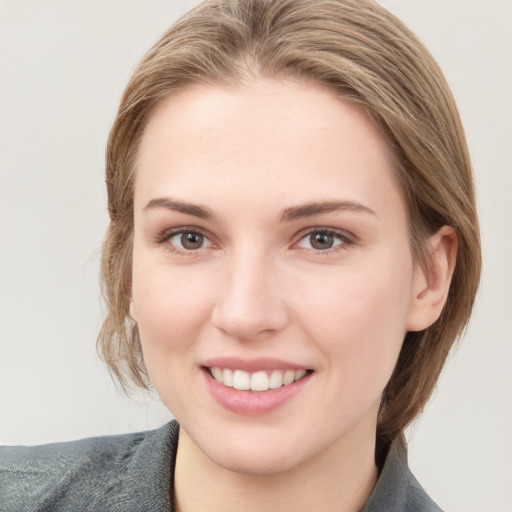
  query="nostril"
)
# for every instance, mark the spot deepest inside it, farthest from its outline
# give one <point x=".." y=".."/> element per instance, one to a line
<point x="249" y="327"/>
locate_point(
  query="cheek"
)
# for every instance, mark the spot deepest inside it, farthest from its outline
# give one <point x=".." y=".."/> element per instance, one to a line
<point x="170" y="308"/>
<point x="170" y="313"/>
<point x="358" y="321"/>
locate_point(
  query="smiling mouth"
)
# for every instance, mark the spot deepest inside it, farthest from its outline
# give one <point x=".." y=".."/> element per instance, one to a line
<point x="256" y="381"/>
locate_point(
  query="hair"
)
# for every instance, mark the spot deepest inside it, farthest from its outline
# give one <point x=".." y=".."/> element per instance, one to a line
<point x="368" y="57"/>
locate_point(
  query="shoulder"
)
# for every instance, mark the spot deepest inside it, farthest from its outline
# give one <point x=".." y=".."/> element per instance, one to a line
<point x="89" y="474"/>
<point x="397" y="489"/>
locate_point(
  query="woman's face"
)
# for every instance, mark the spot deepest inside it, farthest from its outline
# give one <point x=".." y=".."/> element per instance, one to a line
<point x="271" y="250"/>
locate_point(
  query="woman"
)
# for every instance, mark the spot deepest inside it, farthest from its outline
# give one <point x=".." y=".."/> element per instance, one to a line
<point x="293" y="249"/>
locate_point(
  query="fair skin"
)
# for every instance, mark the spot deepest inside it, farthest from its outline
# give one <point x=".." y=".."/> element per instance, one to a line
<point x="271" y="238"/>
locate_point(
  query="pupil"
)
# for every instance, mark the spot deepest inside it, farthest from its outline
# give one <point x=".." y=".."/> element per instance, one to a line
<point x="322" y="240"/>
<point x="192" y="240"/>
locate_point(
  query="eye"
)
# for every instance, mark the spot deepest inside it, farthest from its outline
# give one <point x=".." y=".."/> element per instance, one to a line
<point x="188" y="240"/>
<point x="323" y="240"/>
<point x="184" y="240"/>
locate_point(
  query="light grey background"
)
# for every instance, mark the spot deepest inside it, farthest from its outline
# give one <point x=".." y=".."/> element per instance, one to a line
<point x="63" y="66"/>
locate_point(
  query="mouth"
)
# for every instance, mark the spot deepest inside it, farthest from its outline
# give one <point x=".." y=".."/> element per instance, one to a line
<point x="258" y="381"/>
<point x="254" y="387"/>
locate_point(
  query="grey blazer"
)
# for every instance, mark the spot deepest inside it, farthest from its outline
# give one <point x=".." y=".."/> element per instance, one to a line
<point x="134" y="473"/>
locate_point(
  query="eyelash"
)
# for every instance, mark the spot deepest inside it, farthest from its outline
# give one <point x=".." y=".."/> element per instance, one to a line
<point x="345" y="239"/>
<point x="165" y="237"/>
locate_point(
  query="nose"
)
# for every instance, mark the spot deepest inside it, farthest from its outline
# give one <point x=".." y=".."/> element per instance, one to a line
<point x="250" y="303"/>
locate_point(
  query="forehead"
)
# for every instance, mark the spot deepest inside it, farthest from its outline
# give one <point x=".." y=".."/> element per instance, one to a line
<point x="268" y="138"/>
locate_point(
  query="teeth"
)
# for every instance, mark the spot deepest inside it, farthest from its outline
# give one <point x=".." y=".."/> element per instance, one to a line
<point x="216" y="373"/>
<point x="227" y="377"/>
<point x="300" y="374"/>
<point x="276" y="379"/>
<point x="241" y="380"/>
<point x="257" y="381"/>
<point x="288" y="377"/>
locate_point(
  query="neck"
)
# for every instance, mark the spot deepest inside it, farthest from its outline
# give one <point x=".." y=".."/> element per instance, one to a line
<point x="340" y="479"/>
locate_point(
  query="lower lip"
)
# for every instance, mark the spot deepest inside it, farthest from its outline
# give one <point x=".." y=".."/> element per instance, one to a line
<point x="252" y="403"/>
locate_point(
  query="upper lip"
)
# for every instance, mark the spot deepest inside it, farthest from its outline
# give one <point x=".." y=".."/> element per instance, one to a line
<point x="252" y="365"/>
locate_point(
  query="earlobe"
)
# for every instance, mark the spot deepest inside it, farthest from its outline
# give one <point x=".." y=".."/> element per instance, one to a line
<point x="133" y="313"/>
<point x="432" y="284"/>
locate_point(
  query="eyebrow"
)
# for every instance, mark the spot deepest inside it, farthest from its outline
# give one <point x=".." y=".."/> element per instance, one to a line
<point x="318" y="208"/>
<point x="187" y="208"/>
<point x="289" y="214"/>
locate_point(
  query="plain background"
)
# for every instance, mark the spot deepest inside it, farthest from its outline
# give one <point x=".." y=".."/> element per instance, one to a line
<point x="63" y="67"/>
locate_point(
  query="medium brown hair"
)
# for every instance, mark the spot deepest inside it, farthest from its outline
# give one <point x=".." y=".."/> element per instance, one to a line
<point x="367" y="56"/>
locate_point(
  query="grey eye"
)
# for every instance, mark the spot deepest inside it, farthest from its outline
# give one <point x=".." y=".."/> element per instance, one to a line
<point x="321" y="241"/>
<point x="192" y="241"/>
<point x="188" y="240"/>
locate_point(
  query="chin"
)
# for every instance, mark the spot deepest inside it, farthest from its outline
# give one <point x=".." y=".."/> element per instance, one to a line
<point x="245" y="448"/>
<point x="253" y="461"/>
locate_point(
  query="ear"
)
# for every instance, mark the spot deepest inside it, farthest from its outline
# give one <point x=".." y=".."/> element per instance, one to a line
<point x="431" y="285"/>
<point x="133" y="312"/>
